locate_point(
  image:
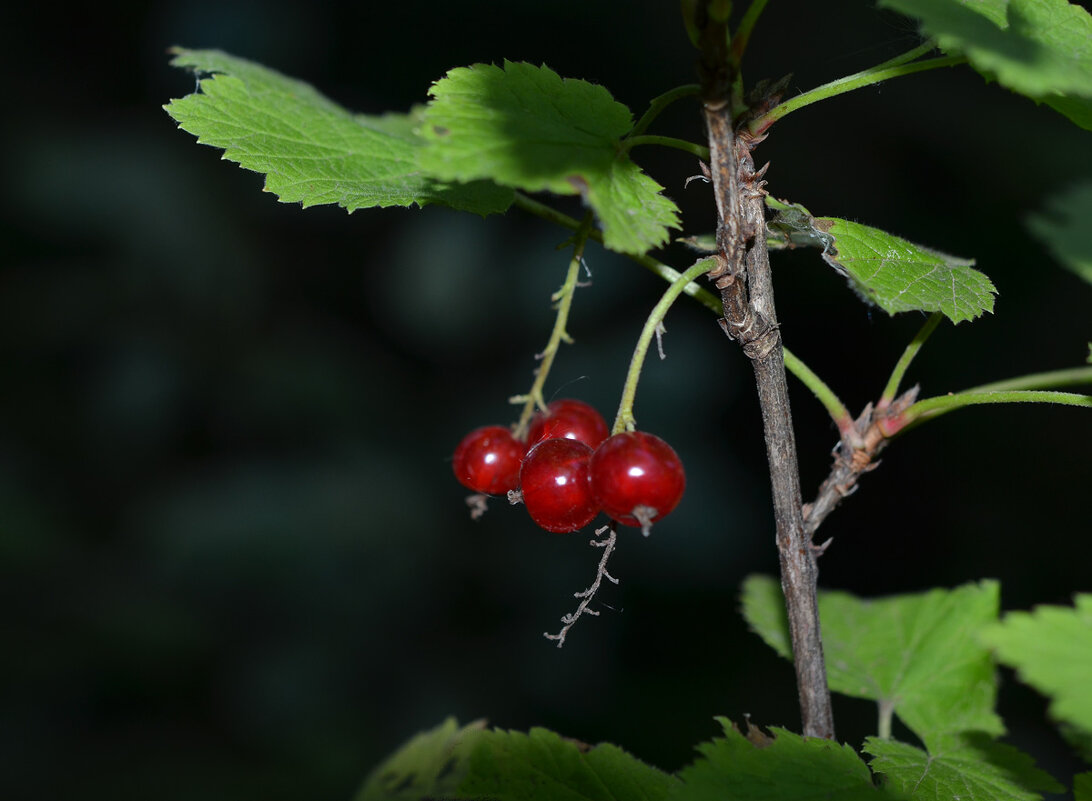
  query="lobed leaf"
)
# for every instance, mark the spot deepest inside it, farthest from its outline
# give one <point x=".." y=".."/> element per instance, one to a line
<point x="542" y="766"/>
<point x="525" y="127"/>
<point x="311" y="150"/>
<point x="1063" y="228"/>
<point x="1039" y="48"/>
<point x="757" y="767"/>
<point x="430" y="764"/>
<point x="887" y="270"/>
<point x="972" y="767"/>
<point x="916" y="655"/>
<point x="1051" y="649"/>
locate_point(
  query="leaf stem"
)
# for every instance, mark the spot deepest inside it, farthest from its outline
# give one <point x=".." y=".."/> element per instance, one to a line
<point x="743" y="33"/>
<point x="625" y="419"/>
<point x="793" y="363"/>
<point x="904" y="361"/>
<point x="564" y="299"/>
<point x="692" y="148"/>
<point x="1074" y="376"/>
<point x="825" y="395"/>
<point x="895" y="68"/>
<point x="931" y="408"/>
<point x="658" y="104"/>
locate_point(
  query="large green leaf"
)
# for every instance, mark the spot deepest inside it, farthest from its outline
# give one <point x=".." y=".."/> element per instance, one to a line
<point x="430" y="765"/>
<point x="757" y="767"/>
<point x="311" y="150"/>
<point x="1051" y="649"/>
<point x="1039" y="48"/>
<point x="1063" y="225"/>
<point x="887" y="270"/>
<point x="971" y="767"/>
<point x="917" y="655"/>
<point x="524" y="126"/>
<point x="542" y="766"/>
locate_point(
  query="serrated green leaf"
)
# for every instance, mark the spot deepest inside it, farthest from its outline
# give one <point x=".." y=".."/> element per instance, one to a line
<point x="1082" y="787"/>
<point x="525" y="127"/>
<point x="1039" y="48"/>
<point x="542" y="766"/>
<point x="311" y="150"/>
<point x="887" y="270"/>
<point x="431" y="764"/>
<point x="914" y="654"/>
<point x="1051" y="649"/>
<point x="971" y="767"/>
<point x="757" y="767"/>
<point x="1063" y="227"/>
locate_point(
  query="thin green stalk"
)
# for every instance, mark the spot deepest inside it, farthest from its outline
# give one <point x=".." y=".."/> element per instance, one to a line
<point x="849" y="83"/>
<point x="932" y="408"/>
<point x="904" y="361"/>
<point x="696" y="291"/>
<point x="669" y="274"/>
<point x="701" y="151"/>
<point x="831" y="402"/>
<point x="625" y="419"/>
<point x="658" y="104"/>
<point x="743" y="33"/>
<point x="1074" y="376"/>
<point x="564" y="299"/>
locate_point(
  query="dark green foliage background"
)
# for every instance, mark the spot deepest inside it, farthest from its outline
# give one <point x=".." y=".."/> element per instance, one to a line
<point x="233" y="561"/>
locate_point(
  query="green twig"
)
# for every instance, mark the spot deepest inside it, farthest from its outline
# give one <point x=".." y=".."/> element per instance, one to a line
<point x="625" y="419"/>
<point x="692" y="148"/>
<point x="564" y="299"/>
<point x="699" y="293"/>
<point x="908" y="355"/>
<point x="858" y="80"/>
<point x="932" y="408"/>
<point x="1074" y="376"/>
<point x="743" y="32"/>
<point x="831" y="402"/>
<point x="658" y="104"/>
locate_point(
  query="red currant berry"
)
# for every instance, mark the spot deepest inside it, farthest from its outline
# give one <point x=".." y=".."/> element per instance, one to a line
<point x="569" y="419"/>
<point x="555" y="486"/>
<point x="636" y="478"/>
<point x="488" y="460"/>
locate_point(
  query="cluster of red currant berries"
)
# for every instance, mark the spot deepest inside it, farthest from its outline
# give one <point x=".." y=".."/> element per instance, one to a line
<point x="570" y="468"/>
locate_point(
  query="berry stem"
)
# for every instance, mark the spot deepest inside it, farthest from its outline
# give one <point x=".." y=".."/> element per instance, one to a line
<point x="892" y="388"/>
<point x="625" y="421"/>
<point x="586" y="596"/>
<point x="564" y="299"/>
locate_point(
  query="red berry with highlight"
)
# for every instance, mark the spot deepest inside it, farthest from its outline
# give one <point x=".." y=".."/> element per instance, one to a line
<point x="637" y="478"/>
<point x="569" y="419"/>
<point x="555" y="485"/>
<point x="488" y="460"/>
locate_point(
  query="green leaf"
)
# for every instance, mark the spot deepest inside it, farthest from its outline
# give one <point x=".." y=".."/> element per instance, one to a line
<point x="541" y="766"/>
<point x="1051" y="649"/>
<point x="311" y="150"/>
<point x="429" y="765"/>
<point x="972" y="768"/>
<point x="916" y="655"/>
<point x="757" y="767"/>
<point x="1063" y="227"/>
<point x="884" y="269"/>
<point x="1082" y="787"/>
<point x="1039" y="48"/>
<point x="525" y="127"/>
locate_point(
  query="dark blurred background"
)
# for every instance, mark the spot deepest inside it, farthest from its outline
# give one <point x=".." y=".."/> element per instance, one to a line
<point x="233" y="560"/>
